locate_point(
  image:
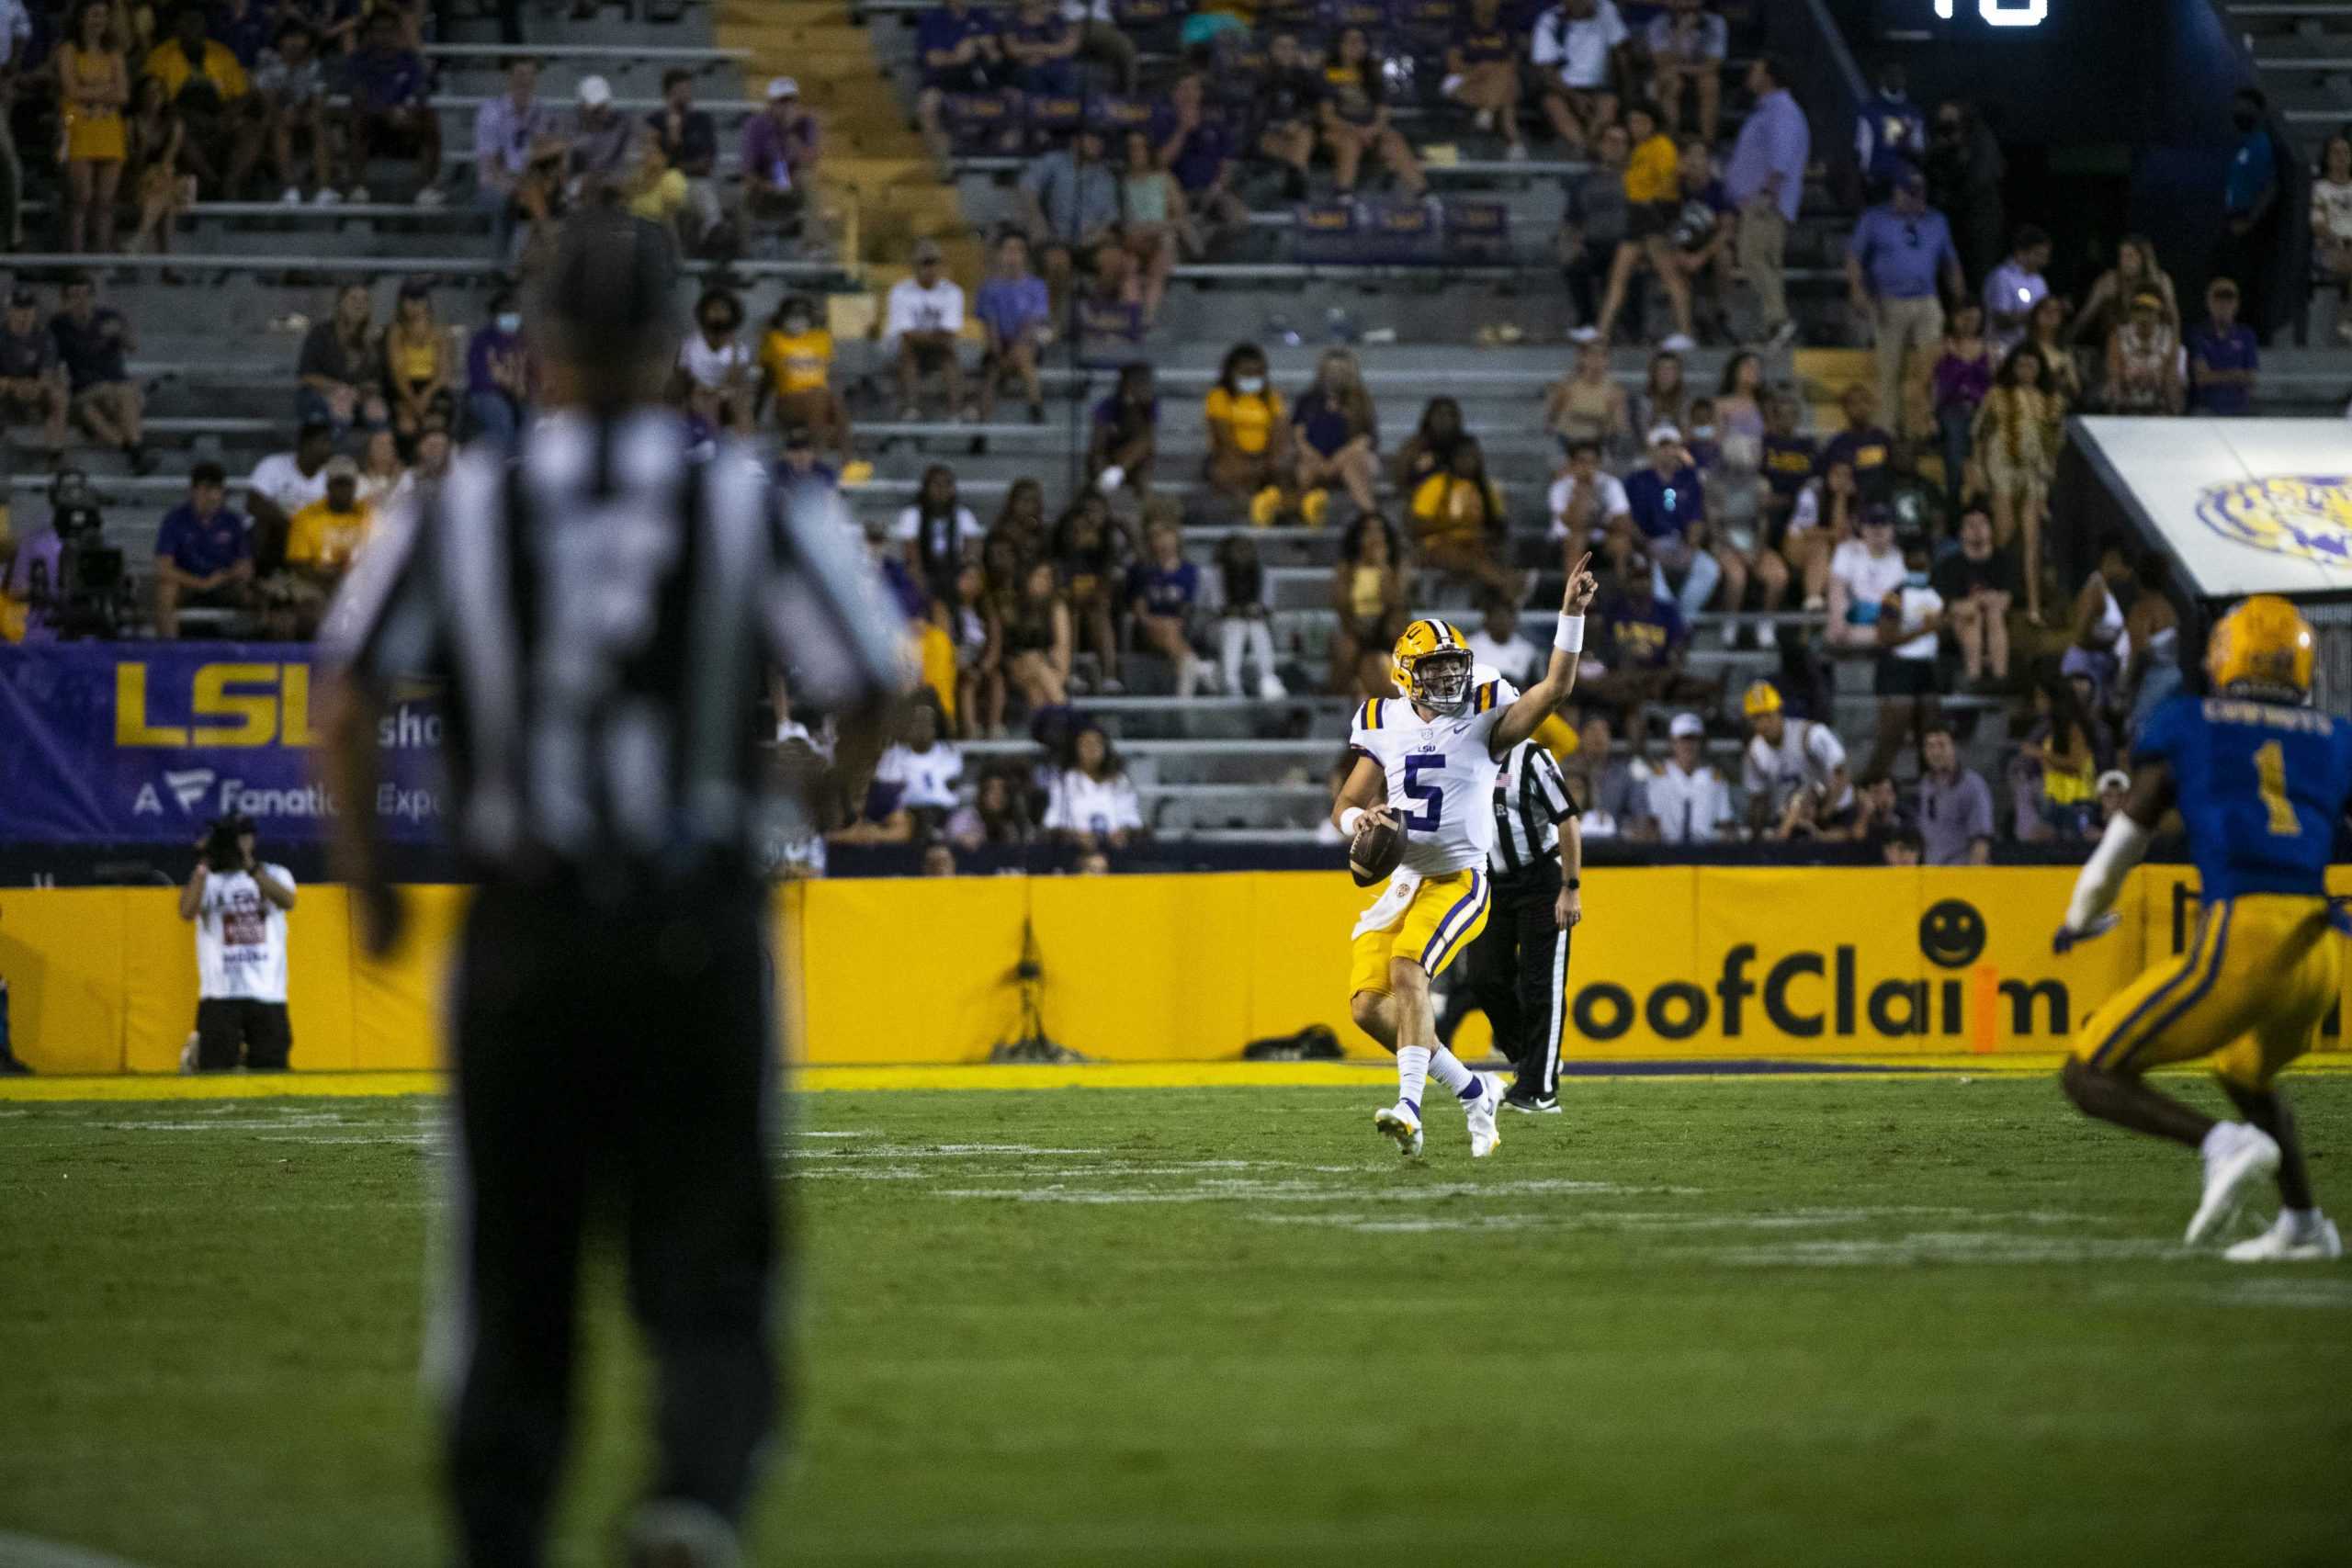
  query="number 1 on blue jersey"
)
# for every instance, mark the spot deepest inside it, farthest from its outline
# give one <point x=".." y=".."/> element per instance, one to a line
<point x="2270" y="767"/>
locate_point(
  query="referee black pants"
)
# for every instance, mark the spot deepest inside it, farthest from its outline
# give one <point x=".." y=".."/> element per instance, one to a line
<point x="1517" y="972"/>
<point x="613" y="1071"/>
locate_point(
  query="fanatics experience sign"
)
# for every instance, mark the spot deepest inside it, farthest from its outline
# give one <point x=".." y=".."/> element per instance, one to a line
<point x="122" y="742"/>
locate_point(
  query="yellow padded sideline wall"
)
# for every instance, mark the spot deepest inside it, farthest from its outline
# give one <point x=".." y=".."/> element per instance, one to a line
<point x="1678" y="962"/>
<point x="103" y="980"/>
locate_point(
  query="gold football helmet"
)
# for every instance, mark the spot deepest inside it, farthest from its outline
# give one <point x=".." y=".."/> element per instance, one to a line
<point x="2264" y="643"/>
<point x="1432" y="665"/>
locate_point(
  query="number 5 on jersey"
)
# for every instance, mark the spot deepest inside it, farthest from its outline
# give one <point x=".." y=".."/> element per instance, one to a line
<point x="1429" y="809"/>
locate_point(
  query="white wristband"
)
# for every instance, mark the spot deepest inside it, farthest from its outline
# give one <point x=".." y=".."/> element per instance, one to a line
<point x="1569" y="638"/>
<point x="1348" y="820"/>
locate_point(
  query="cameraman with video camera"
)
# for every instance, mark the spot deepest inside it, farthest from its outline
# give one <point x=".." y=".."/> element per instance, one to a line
<point x="239" y="905"/>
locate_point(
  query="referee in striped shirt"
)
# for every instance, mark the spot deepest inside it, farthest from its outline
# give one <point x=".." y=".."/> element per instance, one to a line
<point x="602" y="611"/>
<point x="1519" y="966"/>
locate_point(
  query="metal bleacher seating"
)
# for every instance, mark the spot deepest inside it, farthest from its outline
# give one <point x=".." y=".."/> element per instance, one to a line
<point x="218" y="323"/>
<point x="2302" y="52"/>
<point x="1228" y="764"/>
<point x="218" y="341"/>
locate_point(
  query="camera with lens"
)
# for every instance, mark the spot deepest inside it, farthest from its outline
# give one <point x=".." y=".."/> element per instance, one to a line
<point x="221" y="850"/>
<point x="92" y="596"/>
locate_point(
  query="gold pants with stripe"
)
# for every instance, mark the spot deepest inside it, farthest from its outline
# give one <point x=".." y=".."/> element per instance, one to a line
<point x="2251" y="991"/>
<point x="1446" y="915"/>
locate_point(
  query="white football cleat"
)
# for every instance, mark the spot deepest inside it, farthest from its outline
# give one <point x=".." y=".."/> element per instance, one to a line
<point x="1398" y="1121"/>
<point x="2286" y="1242"/>
<point x="669" y="1533"/>
<point x="2236" y="1155"/>
<point x="1485" y="1136"/>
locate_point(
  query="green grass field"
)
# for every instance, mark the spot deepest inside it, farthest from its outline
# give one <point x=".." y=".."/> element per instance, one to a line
<point x="1730" y="1322"/>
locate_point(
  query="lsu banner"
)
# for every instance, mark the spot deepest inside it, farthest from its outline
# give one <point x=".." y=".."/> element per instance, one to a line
<point x="116" y="742"/>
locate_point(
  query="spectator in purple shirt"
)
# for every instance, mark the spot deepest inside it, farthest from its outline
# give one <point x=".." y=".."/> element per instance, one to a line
<point x="1863" y="444"/>
<point x="28" y="583"/>
<point x="1955" y="812"/>
<point x="600" y="150"/>
<point x="799" y="465"/>
<point x="246" y="29"/>
<point x="1899" y="264"/>
<point x="204" y="552"/>
<point x="780" y="152"/>
<point x="498" y="384"/>
<point x="1126" y="434"/>
<point x="514" y="137"/>
<point x="1198" y="149"/>
<point x="1013" y="309"/>
<point x="388" y="84"/>
<point x="1040" y="46"/>
<point x="1963" y="376"/>
<point x="95" y="341"/>
<point x="1669" y="507"/>
<point x="689" y="139"/>
<point x="960" y="53"/>
<point x="2223" y="356"/>
<point x="1765" y="179"/>
<point x="1634" y="664"/>
<point x="32" y="380"/>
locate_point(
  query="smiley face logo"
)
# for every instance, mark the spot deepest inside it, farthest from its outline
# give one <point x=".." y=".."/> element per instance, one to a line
<point x="1951" y="934"/>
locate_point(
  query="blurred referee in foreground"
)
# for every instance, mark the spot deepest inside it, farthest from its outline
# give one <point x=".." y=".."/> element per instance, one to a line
<point x="1519" y="965"/>
<point x="603" y="611"/>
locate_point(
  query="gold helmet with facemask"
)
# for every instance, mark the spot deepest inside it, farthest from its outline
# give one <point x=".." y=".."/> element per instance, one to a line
<point x="1431" y="665"/>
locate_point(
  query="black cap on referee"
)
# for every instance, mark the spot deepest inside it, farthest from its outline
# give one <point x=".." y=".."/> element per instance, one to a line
<point x="607" y="313"/>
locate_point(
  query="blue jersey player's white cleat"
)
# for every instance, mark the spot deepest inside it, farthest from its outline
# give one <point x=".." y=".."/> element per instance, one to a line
<point x="2308" y="1237"/>
<point x="2236" y="1158"/>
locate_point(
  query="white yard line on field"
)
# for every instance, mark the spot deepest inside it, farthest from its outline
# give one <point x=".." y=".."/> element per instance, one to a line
<point x="1945" y="1246"/>
<point x="24" y="1551"/>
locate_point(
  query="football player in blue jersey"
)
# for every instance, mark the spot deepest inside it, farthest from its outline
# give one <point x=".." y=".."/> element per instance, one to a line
<point x="2262" y="779"/>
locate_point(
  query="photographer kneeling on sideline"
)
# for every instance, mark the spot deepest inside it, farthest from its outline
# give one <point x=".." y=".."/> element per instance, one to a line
<point x="239" y="905"/>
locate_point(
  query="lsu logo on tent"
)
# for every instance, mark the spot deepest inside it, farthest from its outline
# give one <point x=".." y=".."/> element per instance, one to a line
<point x="2305" y="516"/>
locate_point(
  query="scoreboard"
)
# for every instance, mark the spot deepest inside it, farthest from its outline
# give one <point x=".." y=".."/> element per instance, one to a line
<point x="1995" y="13"/>
<point x="1956" y="19"/>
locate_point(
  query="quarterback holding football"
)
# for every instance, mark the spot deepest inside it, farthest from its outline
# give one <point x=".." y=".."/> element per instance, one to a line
<point x="1417" y="809"/>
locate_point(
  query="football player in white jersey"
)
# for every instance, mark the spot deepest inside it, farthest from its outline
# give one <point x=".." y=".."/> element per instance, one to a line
<point x="1426" y="764"/>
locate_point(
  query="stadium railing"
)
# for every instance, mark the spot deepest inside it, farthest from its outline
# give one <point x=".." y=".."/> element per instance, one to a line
<point x="479" y="268"/>
<point x="708" y="57"/>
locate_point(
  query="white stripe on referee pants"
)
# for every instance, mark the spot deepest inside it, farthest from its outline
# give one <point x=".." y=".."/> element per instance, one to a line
<point x="1559" y="1013"/>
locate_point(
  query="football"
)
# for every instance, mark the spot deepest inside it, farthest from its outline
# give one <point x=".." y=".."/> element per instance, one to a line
<point x="1374" y="854"/>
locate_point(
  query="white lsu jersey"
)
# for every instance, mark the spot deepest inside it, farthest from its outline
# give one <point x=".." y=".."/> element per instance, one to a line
<point x="1440" y="774"/>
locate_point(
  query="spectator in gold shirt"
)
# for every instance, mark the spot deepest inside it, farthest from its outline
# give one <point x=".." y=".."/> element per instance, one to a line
<point x="320" y="542"/>
<point x="1653" y="202"/>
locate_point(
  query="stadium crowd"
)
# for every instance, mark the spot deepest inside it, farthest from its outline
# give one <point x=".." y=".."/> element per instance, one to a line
<point x="152" y="109"/>
<point x="1909" y="543"/>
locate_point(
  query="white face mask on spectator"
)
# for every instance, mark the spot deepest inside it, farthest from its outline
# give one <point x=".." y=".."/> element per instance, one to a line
<point x="510" y="321"/>
<point x="1250" y="385"/>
